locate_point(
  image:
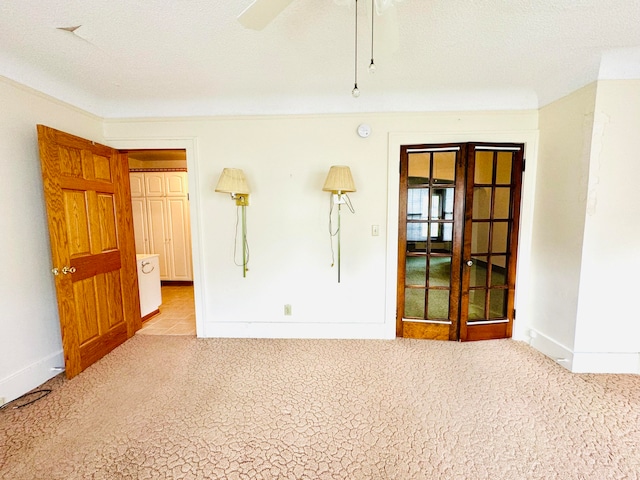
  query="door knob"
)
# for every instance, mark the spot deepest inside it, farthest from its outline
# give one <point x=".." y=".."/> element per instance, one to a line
<point x="469" y="263"/>
<point x="67" y="270"/>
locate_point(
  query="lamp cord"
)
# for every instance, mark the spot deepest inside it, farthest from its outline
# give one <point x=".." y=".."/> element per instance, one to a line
<point x="245" y="243"/>
<point x="332" y="234"/>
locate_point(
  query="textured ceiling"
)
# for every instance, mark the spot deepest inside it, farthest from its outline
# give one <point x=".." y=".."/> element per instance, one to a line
<point x="192" y="57"/>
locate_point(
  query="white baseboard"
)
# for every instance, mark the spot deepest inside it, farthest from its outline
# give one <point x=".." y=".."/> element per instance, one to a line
<point x="367" y="331"/>
<point x="606" y="362"/>
<point x="552" y="349"/>
<point x="31" y="376"/>
<point x="585" y="362"/>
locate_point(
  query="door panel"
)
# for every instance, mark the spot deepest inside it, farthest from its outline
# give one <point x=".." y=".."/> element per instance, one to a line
<point x="90" y="227"/>
<point x="494" y="174"/>
<point x="430" y="272"/>
<point x="157" y="216"/>
<point x="180" y="247"/>
<point x="459" y="209"/>
<point x="139" y="209"/>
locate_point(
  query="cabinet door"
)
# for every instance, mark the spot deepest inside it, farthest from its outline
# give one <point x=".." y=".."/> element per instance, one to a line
<point x="158" y="240"/>
<point x="179" y="251"/>
<point x="139" y="208"/>
<point x="176" y="184"/>
<point x="136" y="180"/>
<point x="154" y="184"/>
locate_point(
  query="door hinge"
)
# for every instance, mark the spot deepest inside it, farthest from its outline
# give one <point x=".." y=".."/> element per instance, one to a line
<point x="514" y="313"/>
<point x="524" y="164"/>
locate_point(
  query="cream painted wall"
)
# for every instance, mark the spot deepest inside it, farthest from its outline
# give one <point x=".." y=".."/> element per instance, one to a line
<point x="286" y="159"/>
<point x="561" y="192"/>
<point x="30" y="342"/>
<point x="585" y="248"/>
<point x="608" y="316"/>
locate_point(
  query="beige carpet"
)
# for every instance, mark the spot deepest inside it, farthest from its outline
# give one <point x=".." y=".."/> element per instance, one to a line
<point x="181" y="407"/>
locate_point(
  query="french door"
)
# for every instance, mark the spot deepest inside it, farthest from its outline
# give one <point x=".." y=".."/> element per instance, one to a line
<point x="458" y="239"/>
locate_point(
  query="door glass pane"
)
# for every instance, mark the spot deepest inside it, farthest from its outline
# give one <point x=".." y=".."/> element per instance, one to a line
<point x="498" y="303"/>
<point x="480" y="237"/>
<point x="482" y="202"/>
<point x="444" y="167"/>
<point x="498" y="270"/>
<point x="414" y="303"/>
<point x="417" y="236"/>
<point x="503" y="169"/>
<point x="446" y="245"/>
<point x="438" y="305"/>
<point x="500" y="235"/>
<point x="483" y="167"/>
<point x="442" y="246"/>
<point x="436" y="210"/>
<point x="417" y="204"/>
<point x="448" y="194"/>
<point x="439" y="272"/>
<point x="476" y="304"/>
<point x="419" y="168"/>
<point x="478" y="272"/>
<point x="502" y="206"/>
<point x="416" y="271"/>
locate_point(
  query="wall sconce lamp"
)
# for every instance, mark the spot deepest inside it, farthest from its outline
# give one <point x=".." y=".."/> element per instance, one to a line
<point x="339" y="181"/>
<point x="233" y="181"/>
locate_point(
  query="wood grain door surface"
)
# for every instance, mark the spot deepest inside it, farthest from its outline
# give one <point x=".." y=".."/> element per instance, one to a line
<point x="87" y="195"/>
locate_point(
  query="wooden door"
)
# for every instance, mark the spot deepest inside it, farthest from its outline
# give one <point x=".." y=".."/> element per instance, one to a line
<point x="492" y="219"/>
<point x="430" y="237"/>
<point x="459" y="214"/>
<point x="86" y="188"/>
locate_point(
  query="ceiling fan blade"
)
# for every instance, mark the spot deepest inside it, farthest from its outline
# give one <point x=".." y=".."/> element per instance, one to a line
<point x="260" y="13"/>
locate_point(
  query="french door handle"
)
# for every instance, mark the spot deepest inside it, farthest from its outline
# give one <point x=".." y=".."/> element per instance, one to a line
<point x="469" y="263"/>
<point x="67" y="270"/>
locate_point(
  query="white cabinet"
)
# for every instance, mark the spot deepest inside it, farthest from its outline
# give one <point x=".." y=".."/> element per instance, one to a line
<point x="140" y="227"/>
<point x="161" y="221"/>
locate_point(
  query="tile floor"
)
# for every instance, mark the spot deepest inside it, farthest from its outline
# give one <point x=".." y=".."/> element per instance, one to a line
<point x="177" y="313"/>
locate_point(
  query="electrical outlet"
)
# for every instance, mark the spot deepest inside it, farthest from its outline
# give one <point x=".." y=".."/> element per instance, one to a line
<point x="287" y="309"/>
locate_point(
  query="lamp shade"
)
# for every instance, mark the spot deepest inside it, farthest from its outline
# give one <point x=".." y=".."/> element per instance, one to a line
<point x="232" y="180"/>
<point x="339" y="180"/>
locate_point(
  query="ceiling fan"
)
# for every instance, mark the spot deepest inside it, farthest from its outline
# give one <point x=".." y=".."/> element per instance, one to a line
<point x="261" y="12"/>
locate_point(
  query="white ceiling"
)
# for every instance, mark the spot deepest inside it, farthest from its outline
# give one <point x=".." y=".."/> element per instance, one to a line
<point x="192" y="57"/>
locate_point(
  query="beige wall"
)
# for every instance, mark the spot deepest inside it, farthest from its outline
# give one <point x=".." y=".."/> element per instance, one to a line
<point x="561" y="190"/>
<point x="608" y="318"/>
<point x="30" y="342"/>
<point x="586" y="222"/>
